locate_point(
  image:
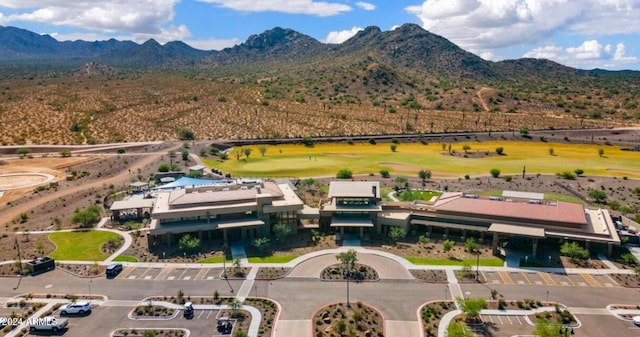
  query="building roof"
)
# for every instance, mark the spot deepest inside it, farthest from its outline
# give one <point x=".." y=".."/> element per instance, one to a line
<point x="558" y="212"/>
<point x="197" y="168"/>
<point x="354" y="189"/>
<point x="517" y="230"/>
<point x="131" y="204"/>
<point x="523" y="195"/>
<point x="139" y="184"/>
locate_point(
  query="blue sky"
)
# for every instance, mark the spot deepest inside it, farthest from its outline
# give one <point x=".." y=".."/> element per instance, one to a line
<point x="585" y="34"/>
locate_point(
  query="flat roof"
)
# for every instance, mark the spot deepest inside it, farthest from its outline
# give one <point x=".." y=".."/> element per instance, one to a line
<point x="241" y="223"/>
<point x="448" y="225"/>
<point x="139" y="184"/>
<point x="523" y="195"/>
<point x="354" y="189"/>
<point x="183" y="198"/>
<point x="197" y="167"/>
<point x="131" y="204"/>
<point x="517" y="229"/>
<point x="558" y="212"/>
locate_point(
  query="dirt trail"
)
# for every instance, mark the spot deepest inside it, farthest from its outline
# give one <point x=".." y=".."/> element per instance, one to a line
<point x="14" y="211"/>
<point x="482" y="102"/>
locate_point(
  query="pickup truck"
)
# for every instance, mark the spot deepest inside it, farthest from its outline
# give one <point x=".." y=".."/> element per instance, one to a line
<point x="48" y="323"/>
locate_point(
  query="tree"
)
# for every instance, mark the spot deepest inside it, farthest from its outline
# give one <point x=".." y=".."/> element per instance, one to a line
<point x="579" y="172"/>
<point x="188" y="243"/>
<point x="149" y="333"/>
<point x="471" y="306"/>
<point x="573" y="250"/>
<point x="397" y="233"/>
<point x="247" y="152"/>
<point x="600" y="152"/>
<point x="307" y="141"/>
<point x="344" y="174"/>
<point x="495" y="172"/>
<point x="393" y="147"/>
<point x="240" y="333"/>
<point x="185" y="155"/>
<point x="23" y="151"/>
<point x="87" y="217"/>
<point x="262" y="149"/>
<point x="238" y="153"/>
<point x="545" y="328"/>
<point x="566" y="175"/>
<point x="164" y="167"/>
<point x="65" y="153"/>
<point x="471" y="245"/>
<point x="348" y="258"/>
<point x="598" y="196"/>
<point x="424" y="175"/>
<point x="447" y="245"/>
<point x="524" y="132"/>
<point x="262" y="244"/>
<point x="466" y="148"/>
<point x="203" y="152"/>
<point x="552" y="151"/>
<point x="186" y="134"/>
<point x="195" y="174"/>
<point x="500" y="151"/>
<point x="457" y="329"/>
<point x="384" y="173"/>
<point x="281" y="231"/>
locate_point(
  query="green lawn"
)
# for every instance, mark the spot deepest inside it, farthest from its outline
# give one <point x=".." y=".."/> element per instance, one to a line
<point x="216" y="259"/>
<point x="272" y="259"/>
<point x="495" y="262"/>
<point x="292" y="160"/>
<point x="125" y="258"/>
<point x="411" y="195"/>
<point x="81" y="245"/>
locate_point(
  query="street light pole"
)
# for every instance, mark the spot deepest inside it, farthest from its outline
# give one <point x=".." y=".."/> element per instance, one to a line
<point x="224" y="261"/>
<point x="478" y="267"/>
<point x="348" y="276"/>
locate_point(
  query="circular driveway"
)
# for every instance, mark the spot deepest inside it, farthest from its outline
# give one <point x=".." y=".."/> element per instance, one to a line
<point x="12" y="181"/>
<point x="386" y="268"/>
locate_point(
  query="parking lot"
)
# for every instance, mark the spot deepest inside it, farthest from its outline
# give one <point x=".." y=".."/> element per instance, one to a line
<point x="549" y="279"/>
<point x="170" y="273"/>
<point x="103" y="320"/>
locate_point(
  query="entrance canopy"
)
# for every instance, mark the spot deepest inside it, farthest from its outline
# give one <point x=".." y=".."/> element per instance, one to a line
<point x="351" y="222"/>
<point x="517" y="230"/>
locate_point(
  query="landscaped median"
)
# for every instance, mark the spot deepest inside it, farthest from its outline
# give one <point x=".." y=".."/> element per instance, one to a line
<point x="483" y="262"/>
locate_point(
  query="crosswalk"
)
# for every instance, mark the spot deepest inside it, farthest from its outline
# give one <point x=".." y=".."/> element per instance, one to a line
<point x="549" y="279"/>
<point x="170" y="273"/>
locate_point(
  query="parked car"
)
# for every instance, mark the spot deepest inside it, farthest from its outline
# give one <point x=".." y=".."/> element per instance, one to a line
<point x="224" y="325"/>
<point x="114" y="269"/>
<point x="188" y="310"/>
<point x="80" y="307"/>
<point x="636" y="320"/>
<point x="49" y="323"/>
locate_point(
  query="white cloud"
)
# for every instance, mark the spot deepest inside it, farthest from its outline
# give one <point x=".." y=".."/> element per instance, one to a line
<point x="310" y="7"/>
<point x="588" y="50"/>
<point x="482" y="26"/>
<point x="212" y="44"/>
<point x="394" y="27"/>
<point x="341" y="36"/>
<point x="547" y="52"/>
<point x="366" y="6"/>
<point x="144" y="16"/>
<point x="588" y="55"/>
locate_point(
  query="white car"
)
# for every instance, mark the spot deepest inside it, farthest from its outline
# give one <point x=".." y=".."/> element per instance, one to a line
<point x="636" y="320"/>
<point x="80" y="307"/>
<point x="48" y="323"/>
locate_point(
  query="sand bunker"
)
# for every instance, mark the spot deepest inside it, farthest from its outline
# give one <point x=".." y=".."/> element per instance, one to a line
<point x="12" y="181"/>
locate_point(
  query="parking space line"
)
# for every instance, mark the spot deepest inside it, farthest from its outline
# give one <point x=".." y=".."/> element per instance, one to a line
<point x="525" y="277"/>
<point x="500" y="319"/>
<point x="547" y="279"/>
<point x="506" y="279"/>
<point x="209" y="312"/>
<point x="201" y="274"/>
<point x="201" y="313"/>
<point x="144" y="273"/>
<point x="569" y="282"/>
<point x="164" y="273"/>
<point x="509" y="318"/>
<point x="125" y="273"/>
<point x="182" y="274"/>
<point x="591" y="280"/>
<point x="519" y="321"/>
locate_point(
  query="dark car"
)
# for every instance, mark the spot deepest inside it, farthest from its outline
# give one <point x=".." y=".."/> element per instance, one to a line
<point x="114" y="269"/>
<point x="224" y="325"/>
<point x="188" y="310"/>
